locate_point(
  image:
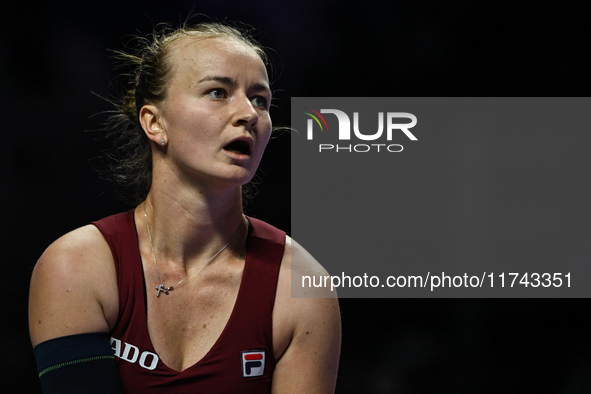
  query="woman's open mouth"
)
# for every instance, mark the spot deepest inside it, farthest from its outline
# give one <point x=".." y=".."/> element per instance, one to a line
<point x="238" y="147"/>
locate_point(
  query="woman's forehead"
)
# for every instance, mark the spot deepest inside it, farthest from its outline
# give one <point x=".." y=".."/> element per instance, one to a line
<point x="196" y="55"/>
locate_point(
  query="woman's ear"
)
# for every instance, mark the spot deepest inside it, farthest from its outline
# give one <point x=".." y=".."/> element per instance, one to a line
<point x="150" y="119"/>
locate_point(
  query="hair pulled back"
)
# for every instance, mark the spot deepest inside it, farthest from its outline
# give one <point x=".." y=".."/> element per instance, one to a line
<point x="150" y="67"/>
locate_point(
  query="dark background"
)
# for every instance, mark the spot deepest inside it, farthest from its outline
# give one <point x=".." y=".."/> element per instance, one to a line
<point x="53" y="55"/>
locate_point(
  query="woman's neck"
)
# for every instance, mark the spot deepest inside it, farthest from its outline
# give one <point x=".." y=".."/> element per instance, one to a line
<point x="187" y="228"/>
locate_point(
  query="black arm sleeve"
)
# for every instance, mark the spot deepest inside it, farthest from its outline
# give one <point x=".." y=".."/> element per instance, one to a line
<point x="82" y="363"/>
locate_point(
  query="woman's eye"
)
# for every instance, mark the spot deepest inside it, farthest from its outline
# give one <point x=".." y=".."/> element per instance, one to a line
<point x="259" y="101"/>
<point x="217" y="93"/>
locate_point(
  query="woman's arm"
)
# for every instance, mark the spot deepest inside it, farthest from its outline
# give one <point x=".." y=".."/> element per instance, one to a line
<point x="72" y="303"/>
<point x="310" y="361"/>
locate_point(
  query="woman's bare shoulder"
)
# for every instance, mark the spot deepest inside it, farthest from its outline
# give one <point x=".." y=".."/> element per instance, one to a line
<point x="74" y="255"/>
<point x="311" y="327"/>
<point x="73" y="287"/>
<point x="83" y="240"/>
<point x="302" y="264"/>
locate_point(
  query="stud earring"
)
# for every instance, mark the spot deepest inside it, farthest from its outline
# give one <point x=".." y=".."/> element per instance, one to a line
<point x="162" y="142"/>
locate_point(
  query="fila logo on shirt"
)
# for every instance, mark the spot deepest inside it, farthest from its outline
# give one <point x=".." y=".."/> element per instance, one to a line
<point x="253" y="363"/>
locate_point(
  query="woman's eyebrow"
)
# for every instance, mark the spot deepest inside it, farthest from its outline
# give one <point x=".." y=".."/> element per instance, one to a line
<point x="261" y="86"/>
<point x="233" y="83"/>
<point x="224" y="80"/>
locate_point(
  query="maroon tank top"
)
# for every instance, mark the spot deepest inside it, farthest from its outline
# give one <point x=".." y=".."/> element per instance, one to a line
<point x="240" y="361"/>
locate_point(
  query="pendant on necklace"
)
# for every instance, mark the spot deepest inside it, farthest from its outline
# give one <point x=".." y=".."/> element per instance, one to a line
<point x="164" y="289"/>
